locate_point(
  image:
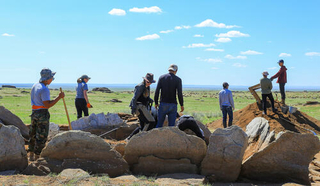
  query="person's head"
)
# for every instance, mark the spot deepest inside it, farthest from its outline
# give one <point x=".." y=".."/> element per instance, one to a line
<point x="83" y="78"/>
<point x="265" y="74"/>
<point x="225" y="85"/>
<point x="173" y="68"/>
<point x="46" y="76"/>
<point x="281" y="62"/>
<point x="148" y="80"/>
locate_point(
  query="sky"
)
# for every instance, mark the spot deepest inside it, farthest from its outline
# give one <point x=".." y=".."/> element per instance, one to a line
<point x="119" y="41"/>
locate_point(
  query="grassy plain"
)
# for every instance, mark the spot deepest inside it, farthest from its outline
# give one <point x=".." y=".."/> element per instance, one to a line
<point x="203" y="105"/>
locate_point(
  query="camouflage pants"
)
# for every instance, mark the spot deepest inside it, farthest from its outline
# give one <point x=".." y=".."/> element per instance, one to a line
<point x="39" y="130"/>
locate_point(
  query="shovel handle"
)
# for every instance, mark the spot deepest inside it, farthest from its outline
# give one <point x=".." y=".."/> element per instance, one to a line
<point x="65" y="108"/>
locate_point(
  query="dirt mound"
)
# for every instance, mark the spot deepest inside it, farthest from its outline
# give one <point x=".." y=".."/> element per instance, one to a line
<point x="298" y="122"/>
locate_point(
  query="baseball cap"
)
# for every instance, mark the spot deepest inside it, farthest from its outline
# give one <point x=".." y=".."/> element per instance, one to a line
<point x="173" y="67"/>
<point x="85" y="77"/>
<point x="281" y="61"/>
<point x="265" y="73"/>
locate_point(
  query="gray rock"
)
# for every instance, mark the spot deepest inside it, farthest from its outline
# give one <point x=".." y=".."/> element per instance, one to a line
<point x="225" y="153"/>
<point x="167" y="144"/>
<point x="180" y="179"/>
<point x="77" y="149"/>
<point x="8" y="118"/>
<point x="53" y="130"/>
<point x="73" y="174"/>
<point x="284" y="160"/>
<point x="13" y="155"/>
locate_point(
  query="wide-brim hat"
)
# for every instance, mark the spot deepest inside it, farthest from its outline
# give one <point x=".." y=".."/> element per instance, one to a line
<point x="46" y="74"/>
<point x="149" y="77"/>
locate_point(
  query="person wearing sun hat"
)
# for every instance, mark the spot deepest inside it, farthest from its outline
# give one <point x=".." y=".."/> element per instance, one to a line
<point x="282" y="80"/>
<point x="169" y="84"/>
<point x="266" y="87"/>
<point x="82" y="101"/>
<point x="141" y="104"/>
<point x="40" y="101"/>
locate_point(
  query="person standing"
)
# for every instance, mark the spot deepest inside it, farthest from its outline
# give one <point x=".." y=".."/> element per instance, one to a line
<point x="40" y="101"/>
<point x="226" y="104"/>
<point x="169" y="85"/>
<point x="266" y="87"/>
<point x="282" y="80"/>
<point x="82" y="101"/>
<point x="141" y="104"/>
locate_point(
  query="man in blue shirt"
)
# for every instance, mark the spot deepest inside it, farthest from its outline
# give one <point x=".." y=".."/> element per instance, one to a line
<point x="40" y="101"/>
<point x="226" y="104"/>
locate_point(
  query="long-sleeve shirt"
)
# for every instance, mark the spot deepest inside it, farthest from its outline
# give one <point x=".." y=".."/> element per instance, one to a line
<point x="266" y="85"/>
<point x="169" y="84"/>
<point x="142" y="95"/>
<point x="281" y="75"/>
<point x="225" y="98"/>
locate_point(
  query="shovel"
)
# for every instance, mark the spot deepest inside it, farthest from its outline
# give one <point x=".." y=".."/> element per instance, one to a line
<point x="65" y="108"/>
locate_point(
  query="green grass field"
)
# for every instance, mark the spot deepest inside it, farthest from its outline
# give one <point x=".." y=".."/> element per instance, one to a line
<point x="203" y="105"/>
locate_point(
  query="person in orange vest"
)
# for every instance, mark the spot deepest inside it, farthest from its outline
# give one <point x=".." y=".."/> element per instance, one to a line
<point x="40" y="101"/>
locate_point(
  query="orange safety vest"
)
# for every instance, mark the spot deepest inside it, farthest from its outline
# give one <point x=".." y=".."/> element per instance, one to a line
<point x="35" y="107"/>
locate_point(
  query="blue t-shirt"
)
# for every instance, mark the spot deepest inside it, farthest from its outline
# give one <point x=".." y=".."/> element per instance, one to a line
<point x="81" y="87"/>
<point x="39" y="93"/>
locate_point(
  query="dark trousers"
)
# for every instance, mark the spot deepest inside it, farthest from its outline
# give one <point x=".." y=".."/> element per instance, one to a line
<point x="282" y="91"/>
<point x="143" y="120"/>
<point x="190" y="123"/>
<point x="264" y="101"/>
<point x="81" y="105"/>
<point x="227" y="110"/>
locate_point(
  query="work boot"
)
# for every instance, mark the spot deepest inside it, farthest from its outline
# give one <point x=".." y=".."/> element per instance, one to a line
<point x="31" y="156"/>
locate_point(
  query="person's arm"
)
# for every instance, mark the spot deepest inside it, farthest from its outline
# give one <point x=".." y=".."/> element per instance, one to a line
<point x="220" y="101"/>
<point x="231" y="100"/>
<point x="180" y="95"/>
<point x="277" y="74"/>
<point x="50" y="103"/>
<point x="156" y="94"/>
<point x="137" y="93"/>
<point x="271" y="85"/>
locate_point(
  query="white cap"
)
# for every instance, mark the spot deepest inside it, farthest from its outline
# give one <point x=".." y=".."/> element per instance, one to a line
<point x="173" y="67"/>
<point x="265" y="73"/>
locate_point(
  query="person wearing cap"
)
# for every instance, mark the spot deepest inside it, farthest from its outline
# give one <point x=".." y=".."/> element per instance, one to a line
<point x="226" y="104"/>
<point x="266" y="87"/>
<point x="141" y="104"/>
<point x="169" y="85"/>
<point x="40" y="101"/>
<point x="282" y="80"/>
<point x="82" y="101"/>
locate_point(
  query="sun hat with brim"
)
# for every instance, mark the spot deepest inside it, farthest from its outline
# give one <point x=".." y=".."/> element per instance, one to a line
<point x="85" y="77"/>
<point x="149" y="77"/>
<point x="265" y="73"/>
<point x="173" y="67"/>
<point x="46" y="74"/>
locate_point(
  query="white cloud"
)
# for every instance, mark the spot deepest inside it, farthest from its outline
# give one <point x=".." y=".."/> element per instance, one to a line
<point x="7" y="35"/>
<point x="182" y="27"/>
<point x="272" y="68"/>
<point x="198" y="35"/>
<point x="214" y="68"/>
<point x="117" y="12"/>
<point x="284" y="55"/>
<point x="166" y="31"/>
<point x="214" y="49"/>
<point x="239" y="65"/>
<point x="213" y="60"/>
<point x="211" y="23"/>
<point x="149" y="37"/>
<point x="235" y="57"/>
<point x="198" y="45"/>
<point x="251" y="52"/>
<point x="312" y="54"/>
<point x="42" y="52"/>
<point x="223" y="40"/>
<point x="152" y="9"/>
<point x="233" y="33"/>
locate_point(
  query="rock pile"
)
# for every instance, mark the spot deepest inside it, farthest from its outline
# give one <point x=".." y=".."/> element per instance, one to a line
<point x="102" y="89"/>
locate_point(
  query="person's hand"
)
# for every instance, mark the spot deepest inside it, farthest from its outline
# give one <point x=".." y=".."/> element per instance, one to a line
<point x="156" y="106"/>
<point x="271" y="79"/>
<point x="182" y="108"/>
<point x="61" y="95"/>
<point x="133" y="111"/>
<point x="89" y="105"/>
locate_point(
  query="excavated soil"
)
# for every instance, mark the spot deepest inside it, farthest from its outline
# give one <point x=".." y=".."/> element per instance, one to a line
<point x="298" y="122"/>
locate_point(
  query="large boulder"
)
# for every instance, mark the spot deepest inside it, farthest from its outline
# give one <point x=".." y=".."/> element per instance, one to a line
<point x="77" y="149"/>
<point x="225" y="153"/>
<point x="164" y="151"/>
<point x="284" y="160"/>
<point x="13" y="155"/>
<point x="8" y="118"/>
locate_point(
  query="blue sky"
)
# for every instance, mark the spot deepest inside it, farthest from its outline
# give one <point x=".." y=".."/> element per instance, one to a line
<point x="118" y="42"/>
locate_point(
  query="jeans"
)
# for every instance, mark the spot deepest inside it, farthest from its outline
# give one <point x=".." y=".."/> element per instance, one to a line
<point x="282" y="91"/>
<point x="169" y="109"/>
<point x="81" y="105"/>
<point x="264" y="101"/>
<point x="227" y="110"/>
